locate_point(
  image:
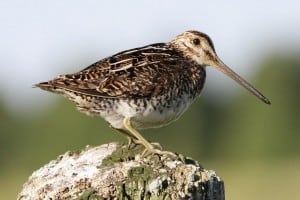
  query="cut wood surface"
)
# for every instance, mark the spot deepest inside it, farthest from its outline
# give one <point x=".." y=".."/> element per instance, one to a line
<point x="112" y="171"/>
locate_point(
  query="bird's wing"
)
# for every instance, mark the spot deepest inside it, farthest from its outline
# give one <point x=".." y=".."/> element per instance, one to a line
<point x="136" y="73"/>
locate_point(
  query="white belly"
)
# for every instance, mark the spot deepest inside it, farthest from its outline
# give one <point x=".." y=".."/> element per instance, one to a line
<point x="148" y="117"/>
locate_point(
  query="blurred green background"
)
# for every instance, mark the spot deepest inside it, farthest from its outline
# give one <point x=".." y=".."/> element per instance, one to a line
<point x="253" y="147"/>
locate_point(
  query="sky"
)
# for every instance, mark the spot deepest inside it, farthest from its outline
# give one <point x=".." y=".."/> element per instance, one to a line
<point x="41" y="39"/>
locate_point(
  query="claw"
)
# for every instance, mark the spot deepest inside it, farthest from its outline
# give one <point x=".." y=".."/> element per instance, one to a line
<point x="150" y="152"/>
<point x="156" y="145"/>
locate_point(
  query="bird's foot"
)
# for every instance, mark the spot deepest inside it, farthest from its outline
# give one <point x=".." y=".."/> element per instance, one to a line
<point x="133" y="142"/>
<point x="160" y="153"/>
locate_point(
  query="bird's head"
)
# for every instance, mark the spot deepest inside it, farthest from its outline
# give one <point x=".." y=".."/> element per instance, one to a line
<point x="199" y="48"/>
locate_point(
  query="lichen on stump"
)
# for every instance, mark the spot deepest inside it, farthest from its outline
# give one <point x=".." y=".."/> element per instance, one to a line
<point x="112" y="171"/>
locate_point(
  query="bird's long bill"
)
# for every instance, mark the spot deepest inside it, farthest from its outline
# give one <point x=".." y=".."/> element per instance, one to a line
<point x="226" y="70"/>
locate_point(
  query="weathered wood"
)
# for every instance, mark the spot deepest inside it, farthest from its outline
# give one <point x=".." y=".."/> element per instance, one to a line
<point x="111" y="171"/>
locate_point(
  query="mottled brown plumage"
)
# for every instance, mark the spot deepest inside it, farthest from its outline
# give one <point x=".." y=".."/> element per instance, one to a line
<point x="145" y="87"/>
<point x="136" y="73"/>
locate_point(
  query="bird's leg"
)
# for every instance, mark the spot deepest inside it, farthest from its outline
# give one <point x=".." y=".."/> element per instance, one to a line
<point x="137" y="135"/>
<point x="150" y="149"/>
<point x="131" y="139"/>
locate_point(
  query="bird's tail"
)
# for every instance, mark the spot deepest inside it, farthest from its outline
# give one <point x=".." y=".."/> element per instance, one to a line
<point x="48" y="86"/>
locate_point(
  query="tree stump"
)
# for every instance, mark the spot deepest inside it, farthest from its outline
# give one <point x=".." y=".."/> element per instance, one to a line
<point x="112" y="171"/>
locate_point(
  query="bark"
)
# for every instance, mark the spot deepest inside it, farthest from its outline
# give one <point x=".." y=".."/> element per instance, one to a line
<point x="112" y="171"/>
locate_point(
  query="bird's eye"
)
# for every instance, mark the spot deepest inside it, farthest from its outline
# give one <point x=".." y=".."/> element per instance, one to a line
<point x="196" y="41"/>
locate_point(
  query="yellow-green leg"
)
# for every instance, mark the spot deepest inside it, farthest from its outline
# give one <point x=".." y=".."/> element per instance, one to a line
<point x="131" y="139"/>
<point x="137" y="135"/>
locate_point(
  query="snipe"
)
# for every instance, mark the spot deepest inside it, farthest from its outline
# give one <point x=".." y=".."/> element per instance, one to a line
<point x="145" y="87"/>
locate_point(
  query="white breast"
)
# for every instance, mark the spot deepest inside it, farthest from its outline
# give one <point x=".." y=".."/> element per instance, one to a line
<point x="149" y="116"/>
